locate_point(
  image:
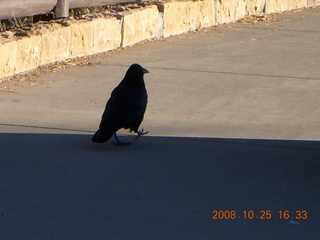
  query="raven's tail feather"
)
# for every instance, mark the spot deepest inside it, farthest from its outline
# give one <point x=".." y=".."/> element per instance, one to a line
<point x="102" y="136"/>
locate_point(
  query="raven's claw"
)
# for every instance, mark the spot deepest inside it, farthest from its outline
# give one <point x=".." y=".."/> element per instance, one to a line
<point x="141" y="133"/>
<point x="119" y="143"/>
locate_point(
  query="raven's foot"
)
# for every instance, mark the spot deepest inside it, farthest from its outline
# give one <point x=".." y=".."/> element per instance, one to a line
<point x="118" y="142"/>
<point x="140" y="133"/>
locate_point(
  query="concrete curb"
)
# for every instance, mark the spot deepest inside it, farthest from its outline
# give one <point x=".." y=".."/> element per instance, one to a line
<point x="84" y="37"/>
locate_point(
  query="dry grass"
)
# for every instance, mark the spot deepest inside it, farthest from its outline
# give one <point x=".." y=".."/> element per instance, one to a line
<point x="12" y="23"/>
<point x="77" y="13"/>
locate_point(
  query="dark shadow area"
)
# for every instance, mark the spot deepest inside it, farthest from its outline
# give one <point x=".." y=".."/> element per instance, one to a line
<point x="62" y="186"/>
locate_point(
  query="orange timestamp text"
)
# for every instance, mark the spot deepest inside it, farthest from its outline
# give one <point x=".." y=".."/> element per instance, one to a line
<point x="263" y="214"/>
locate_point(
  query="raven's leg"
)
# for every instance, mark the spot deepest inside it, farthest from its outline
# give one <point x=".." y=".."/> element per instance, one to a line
<point x="118" y="142"/>
<point x="140" y="133"/>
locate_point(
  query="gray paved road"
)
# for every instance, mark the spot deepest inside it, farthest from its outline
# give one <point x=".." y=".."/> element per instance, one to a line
<point x="234" y="125"/>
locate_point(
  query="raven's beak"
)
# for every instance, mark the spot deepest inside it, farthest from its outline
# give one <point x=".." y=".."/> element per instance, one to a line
<point x="145" y="70"/>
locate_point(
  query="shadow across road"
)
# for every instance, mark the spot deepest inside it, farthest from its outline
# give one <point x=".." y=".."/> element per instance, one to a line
<point x="62" y="186"/>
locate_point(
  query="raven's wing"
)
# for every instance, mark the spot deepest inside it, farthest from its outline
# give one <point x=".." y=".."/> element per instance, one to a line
<point x="111" y="120"/>
<point x="124" y="109"/>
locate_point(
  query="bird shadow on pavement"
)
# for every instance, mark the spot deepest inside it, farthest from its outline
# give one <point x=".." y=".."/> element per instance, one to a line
<point x="62" y="186"/>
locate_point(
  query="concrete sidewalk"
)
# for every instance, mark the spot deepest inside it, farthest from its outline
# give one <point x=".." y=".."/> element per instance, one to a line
<point x="232" y="112"/>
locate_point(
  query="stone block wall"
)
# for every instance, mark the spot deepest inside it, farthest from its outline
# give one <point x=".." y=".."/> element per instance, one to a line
<point x="84" y="37"/>
<point x="8" y="58"/>
<point x="255" y="7"/>
<point x="140" y="25"/>
<point x="106" y="34"/>
<point x="54" y="44"/>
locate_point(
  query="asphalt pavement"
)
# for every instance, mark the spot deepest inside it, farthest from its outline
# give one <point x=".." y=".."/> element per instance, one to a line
<point x="233" y="148"/>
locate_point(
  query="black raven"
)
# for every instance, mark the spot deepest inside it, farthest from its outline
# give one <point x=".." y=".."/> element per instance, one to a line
<point x="125" y="107"/>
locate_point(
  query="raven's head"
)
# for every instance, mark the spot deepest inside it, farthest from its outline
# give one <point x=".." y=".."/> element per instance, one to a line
<point x="135" y="70"/>
<point x="134" y="75"/>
